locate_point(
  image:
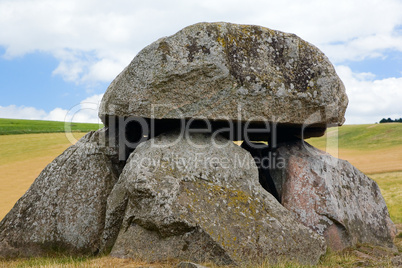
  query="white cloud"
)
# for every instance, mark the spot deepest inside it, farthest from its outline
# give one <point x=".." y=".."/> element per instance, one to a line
<point x="104" y="70"/>
<point x="371" y="99"/>
<point x="85" y="112"/>
<point x="21" y="112"/>
<point x="56" y="114"/>
<point x="373" y="46"/>
<point x="94" y="40"/>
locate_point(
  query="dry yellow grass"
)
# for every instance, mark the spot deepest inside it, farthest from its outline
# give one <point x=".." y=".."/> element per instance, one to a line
<point x="22" y="158"/>
<point x="391" y="189"/>
<point x="379" y="257"/>
<point x="98" y="262"/>
<point x="375" y="148"/>
<point x="373" y="161"/>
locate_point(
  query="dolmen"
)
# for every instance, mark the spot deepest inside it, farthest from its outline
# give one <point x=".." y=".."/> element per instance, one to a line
<point x="164" y="180"/>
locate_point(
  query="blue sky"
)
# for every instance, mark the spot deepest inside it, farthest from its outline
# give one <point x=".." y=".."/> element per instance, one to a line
<point x="28" y="81"/>
<point x="58" y="57"/>
<point x="389" y="66"/>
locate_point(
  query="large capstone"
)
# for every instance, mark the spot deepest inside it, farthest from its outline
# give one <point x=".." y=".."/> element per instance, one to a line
<point x="64" y="209"/>
<point x="229" y="72"/>
<point x="198" y="198"/>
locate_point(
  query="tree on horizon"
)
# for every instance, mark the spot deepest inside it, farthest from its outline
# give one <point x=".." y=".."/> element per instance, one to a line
<point x="389" y="120"/>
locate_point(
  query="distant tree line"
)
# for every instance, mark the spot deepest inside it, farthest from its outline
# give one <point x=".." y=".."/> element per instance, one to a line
<point x="389" y="120"/>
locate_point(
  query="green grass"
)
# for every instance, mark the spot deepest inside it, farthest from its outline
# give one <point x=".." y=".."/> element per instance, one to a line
<point x="64" y="261"/>
<point x="362" y="137"/>
<point x="20" y="126"/>
<point x="391" y="189"/>
<point x="345" y="258"/>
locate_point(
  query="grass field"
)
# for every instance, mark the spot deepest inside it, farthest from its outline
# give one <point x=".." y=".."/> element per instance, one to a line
<point x="19" y="126"/>
<point x="347" y="258"/>
<point x="22" y="158"/>
<point x="363" y="137"/>
<point x="374" y="149"/>
<point x="391" y="189"/>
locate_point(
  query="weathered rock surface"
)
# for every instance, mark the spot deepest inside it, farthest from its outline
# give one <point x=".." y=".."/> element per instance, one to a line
<point x="332" y="197"/>
<point x="64" y="209"/>
<point x="199" y="199"/>
<point x="221" y="71"/>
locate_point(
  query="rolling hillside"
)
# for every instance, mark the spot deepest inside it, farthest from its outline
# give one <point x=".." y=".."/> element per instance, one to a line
<point x="26" y="147"/>
<point x="362" y="137"/>
<point x="375" y="148"/>
<point x="20" y="126"/>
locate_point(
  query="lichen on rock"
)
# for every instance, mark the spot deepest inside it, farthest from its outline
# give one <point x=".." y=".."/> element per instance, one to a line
<point x="64" y="209"/>
<point x="188" y="198"/>
<point x="215" y="70"/>
<point x="333" y="198"/>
